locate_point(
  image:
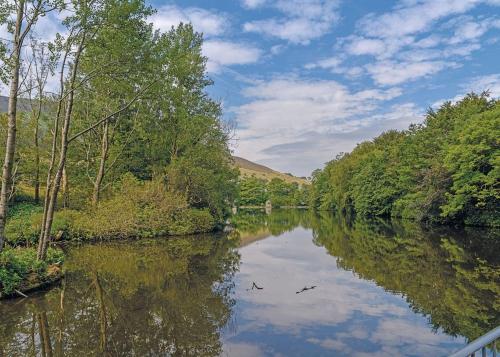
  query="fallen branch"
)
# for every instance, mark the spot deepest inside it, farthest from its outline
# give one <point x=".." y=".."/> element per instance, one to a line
<point x="20" y="293"/>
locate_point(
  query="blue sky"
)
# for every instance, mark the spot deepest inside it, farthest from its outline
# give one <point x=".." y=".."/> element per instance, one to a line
<point x="302" y="80"/>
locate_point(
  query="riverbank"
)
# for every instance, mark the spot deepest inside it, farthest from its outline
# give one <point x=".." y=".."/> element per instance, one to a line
<point x="140" y="210"/>
<point x="137" y="210"/>
<point x="21" y="272"/>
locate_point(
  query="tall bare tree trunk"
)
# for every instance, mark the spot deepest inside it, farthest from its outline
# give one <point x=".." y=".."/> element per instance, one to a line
<point x="65" y="188"/>
<point x="37" y="142"/>
<point x="55" y="184"/>
<point x="36" y="116"/>
<point x="48" y="186"/>
<point x="102" y="165"/>
<point x="37" y="164"/>
<point x="10" y="146"/>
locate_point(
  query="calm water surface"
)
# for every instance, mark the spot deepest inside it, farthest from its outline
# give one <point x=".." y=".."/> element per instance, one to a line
<point x="382" y="289"/>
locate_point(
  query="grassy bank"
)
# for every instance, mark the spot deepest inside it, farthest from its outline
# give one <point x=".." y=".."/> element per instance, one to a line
<point x="20" y="271"/>
<point x="139" y="209"/>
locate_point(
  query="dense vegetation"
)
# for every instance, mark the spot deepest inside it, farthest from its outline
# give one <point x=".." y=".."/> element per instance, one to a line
<point x="446" y="170"/>
<point x="128" y="143"/>
<point x="256" y="192"/>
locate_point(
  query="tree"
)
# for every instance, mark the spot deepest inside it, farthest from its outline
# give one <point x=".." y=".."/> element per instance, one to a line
<point x="84" y="26"/>
<point x="474" y="160"/>
<point x="125" y="47"/>
<point x="252" y="192"/>
<point x="27" y="14"/>
<point x="444" y="170"/>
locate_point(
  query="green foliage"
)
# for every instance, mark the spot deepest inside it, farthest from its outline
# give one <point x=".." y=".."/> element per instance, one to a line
<point x="169" y="142"/>
<point x="474" y="161"/>
<point x="255" y="192"/>
<point x="22" y="227"/>
<point x="138" y="209"/>
<point x="252" y="192"/>
<point x="17" y="264"/>
<point x="446" y="170"/>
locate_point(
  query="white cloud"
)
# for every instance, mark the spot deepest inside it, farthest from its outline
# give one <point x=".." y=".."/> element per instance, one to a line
<point x="334" y="65"/>
<point x="473" y="30"/>
<point x="305" y="123"/>
<point x="479" y="84"/>
<point x="224" y="53"/>
<point x="412" y="17"/>
<point x="252" y="4"/>
<point x="393" y="73"/>
<point x="409" y="42"/>
<point x="302" y="20"/>
<point x="366" y="46"/>
<point x="210" y="23"/>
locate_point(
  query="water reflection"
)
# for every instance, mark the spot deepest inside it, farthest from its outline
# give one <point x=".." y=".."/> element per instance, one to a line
<point x="389" y="289"/>
<point x="383" y="288"/>
<point x="142" y="298"/>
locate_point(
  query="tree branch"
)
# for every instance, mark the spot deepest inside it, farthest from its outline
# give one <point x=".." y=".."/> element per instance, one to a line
<point x="137" y="96"/>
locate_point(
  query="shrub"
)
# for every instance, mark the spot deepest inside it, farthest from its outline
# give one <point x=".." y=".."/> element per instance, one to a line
<point x="17" y="264"/>
<point x="23" y="224"/>
<point x="140" y="209"/>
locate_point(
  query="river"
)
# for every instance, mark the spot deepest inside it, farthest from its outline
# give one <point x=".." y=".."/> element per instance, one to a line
<point x="381" y="288"/>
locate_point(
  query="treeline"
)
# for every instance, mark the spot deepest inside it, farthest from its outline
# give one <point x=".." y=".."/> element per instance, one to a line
<point x="446" y="170"/>
<point x="109" y="130"/>
<point x="256" y="192"/>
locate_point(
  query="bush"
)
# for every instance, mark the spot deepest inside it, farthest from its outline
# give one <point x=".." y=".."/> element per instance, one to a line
<point x="17" y="264"/>
<point x="24" y="221"/>
<point x="23" y="224"/>
<point x="140" y="209"/>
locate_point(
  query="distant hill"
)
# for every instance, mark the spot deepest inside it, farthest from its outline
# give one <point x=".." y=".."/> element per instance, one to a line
<point x="4" y="101"/>
<point x="249" y="168"/>
<point x="23" y="105"/>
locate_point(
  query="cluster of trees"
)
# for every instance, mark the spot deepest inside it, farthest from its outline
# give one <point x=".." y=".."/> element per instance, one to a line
<point x="446" y="170"/>
<point x="124" y="99"/>
<point x="256" y="192"/>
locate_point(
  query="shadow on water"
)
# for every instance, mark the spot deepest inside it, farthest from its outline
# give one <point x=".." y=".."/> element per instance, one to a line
<point x="181" y="296"/>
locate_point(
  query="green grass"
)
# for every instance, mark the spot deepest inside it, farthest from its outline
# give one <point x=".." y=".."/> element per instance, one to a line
<point x="17" y="264"/>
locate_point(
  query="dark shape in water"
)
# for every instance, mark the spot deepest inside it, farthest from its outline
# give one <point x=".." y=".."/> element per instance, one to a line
<point x="255" y="286"/>
<point x="305" y="288"/>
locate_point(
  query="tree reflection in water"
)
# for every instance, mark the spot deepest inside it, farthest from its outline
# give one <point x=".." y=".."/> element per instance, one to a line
<point x="450" y="275"/>
<point x="137" y="298"/>
<point x="176" y="296"/>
